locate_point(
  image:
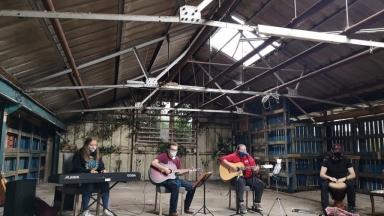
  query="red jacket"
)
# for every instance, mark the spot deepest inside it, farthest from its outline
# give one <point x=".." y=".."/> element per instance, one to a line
<point x="248" y="161"/>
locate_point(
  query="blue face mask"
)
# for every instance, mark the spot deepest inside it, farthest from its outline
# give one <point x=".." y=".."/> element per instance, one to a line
<point x="243" y="154"/>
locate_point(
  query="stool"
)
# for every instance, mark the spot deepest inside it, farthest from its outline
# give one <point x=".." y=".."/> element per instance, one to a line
<point x="372" y="194"/>
<point x="246" y="189"/>
<point x="163" y="190"/>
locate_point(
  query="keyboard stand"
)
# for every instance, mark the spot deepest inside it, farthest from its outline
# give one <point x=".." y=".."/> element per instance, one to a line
<point x="98" y="201"/>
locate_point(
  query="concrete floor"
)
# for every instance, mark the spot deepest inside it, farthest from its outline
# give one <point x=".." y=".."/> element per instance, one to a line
<point x="137" y="198"/>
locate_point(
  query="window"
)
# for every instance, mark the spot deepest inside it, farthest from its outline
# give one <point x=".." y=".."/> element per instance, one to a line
<point x="157" y="126"/>
<point x="237" y="44"/>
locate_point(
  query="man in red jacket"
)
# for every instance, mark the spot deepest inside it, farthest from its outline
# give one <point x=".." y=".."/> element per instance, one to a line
<point x="241" y="155"/>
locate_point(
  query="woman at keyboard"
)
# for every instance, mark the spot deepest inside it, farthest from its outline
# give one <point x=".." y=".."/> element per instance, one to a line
<point x="88" y="160"/>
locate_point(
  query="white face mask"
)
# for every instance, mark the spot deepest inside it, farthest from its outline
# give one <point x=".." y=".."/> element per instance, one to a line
<point x="173" y="154"/>
<point x="92" y="149"/>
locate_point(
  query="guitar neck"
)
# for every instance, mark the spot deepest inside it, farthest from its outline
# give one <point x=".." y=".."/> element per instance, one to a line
<point x="184" y="170"/>
<point x="268" y="166"/>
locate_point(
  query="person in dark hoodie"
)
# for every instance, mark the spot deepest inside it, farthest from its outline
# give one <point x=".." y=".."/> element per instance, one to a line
<point x="88" y="160"/>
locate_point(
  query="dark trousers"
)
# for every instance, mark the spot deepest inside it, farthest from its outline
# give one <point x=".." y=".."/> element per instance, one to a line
<point x="255" y="183"/>
<point x="173" y="186"/>
<point x="351" y="193"/>
<point x="88" y="189"/>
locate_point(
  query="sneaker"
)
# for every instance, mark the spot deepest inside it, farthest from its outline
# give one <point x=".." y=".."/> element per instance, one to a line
<point x="87" y="213"/>
<point x="173" y="214"/>
<point x="257" y="207"/>
<point x="108" y="213"/>
<point x="243" y="209"/>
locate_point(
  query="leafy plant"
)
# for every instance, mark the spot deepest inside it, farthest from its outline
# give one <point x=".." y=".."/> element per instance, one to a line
<point x="223" y="147"/>
<point x="108" y="150"/>
<point x="104" y="131"/>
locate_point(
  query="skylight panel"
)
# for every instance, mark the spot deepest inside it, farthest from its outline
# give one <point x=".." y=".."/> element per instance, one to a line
<point x="241" y="44"/>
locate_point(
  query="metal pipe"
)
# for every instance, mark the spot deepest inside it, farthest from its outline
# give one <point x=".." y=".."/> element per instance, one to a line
<point x="293" y="101"/>
<point x="165" y="33"/>
<point x="362" y="31"/>
<point x="203" y="4"/>
<point x="140" y="63"/>
<point x="170" y="87"/>
<point x="99" y="60"/>
<point x="377" y="110"/>
<point x="346" y="14"/>
<point x="226" y="43"/>
<point x="149" y="96"/>
<point x="110" y="89"/>
<point x="216" y="84"/>
<point x="201" y="36"/>
<point x="316" y="72"/>
<point x="90" y="96"/>
<point x="251" y="67"/>
<point x="328" y="67"/>
<point x="314" y="36"/>
<point x="139" y="84"/>
<point x="373" y="18"/>
<point x="64" y="43"/>
<point x="160" y="108"/>
<point x="314" y="8"/>
<point x="285" y="32"/>
<point x="119" y="26"/>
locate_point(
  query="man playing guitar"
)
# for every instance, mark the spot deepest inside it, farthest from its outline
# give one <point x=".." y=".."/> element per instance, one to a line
<point x="173" y="185"/>
<point x="241" y="155"/>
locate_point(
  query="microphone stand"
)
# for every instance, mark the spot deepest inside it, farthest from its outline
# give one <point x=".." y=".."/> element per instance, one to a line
<point x="275" y="174"/>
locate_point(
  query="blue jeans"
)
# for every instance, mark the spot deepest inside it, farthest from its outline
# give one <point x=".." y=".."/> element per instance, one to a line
<point x="88" y="189"/>
<point x="173" y="186"/>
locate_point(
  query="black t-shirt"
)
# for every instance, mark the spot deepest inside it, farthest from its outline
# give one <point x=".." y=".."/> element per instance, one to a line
<point x="337" y="168"/>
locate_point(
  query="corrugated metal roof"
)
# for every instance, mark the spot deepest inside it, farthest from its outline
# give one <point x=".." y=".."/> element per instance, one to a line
<point x="29" y="52"/>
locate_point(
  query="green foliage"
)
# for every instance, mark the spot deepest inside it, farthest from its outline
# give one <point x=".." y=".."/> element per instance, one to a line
<point x="162" y="147"/>
<point x="103" y="131"/>
<point x="224" y="147"/>
<point x="108" y="150"/>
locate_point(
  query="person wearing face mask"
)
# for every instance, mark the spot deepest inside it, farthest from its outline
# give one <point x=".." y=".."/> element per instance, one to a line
<point x="88" y="160"/>
<point x="248" y="179"/>
<point x="336" y="168"/>
<point x="173" y="185"/>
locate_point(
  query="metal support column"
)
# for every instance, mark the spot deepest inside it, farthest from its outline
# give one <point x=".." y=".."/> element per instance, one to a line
<point x="5" y="111"/>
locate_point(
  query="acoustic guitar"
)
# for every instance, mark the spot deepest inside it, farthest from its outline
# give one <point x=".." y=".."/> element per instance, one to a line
<point x="3" y="188"/>
<point x="227" y="174"/>
<point x="157" y="177"/>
